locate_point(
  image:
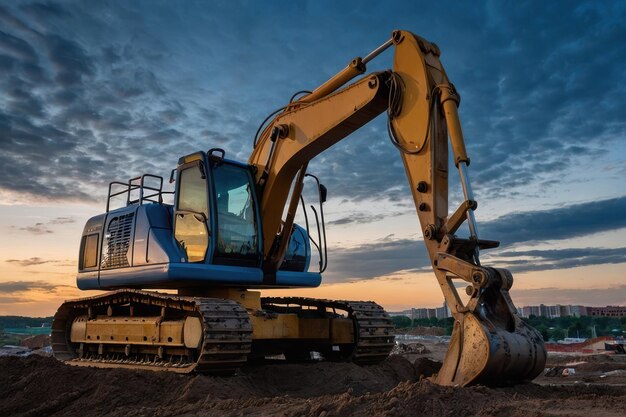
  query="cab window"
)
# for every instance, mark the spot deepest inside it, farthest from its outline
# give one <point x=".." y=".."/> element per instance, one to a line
<point x="193" y="192"/>
<point x="237" y="240"/>
<point x="190" y="222"/>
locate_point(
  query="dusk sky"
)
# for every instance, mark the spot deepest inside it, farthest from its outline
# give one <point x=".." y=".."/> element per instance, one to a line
<point x="96" y="91"/>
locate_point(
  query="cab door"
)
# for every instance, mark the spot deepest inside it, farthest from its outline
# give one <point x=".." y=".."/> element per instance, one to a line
<point x="238" y="228"/>
<point x="191" y="211"/>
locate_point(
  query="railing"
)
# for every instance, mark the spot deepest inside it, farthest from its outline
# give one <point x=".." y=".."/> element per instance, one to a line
<point x="146" y="193"/>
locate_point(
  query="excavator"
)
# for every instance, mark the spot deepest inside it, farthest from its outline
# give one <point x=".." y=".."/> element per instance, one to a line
<point x="230" y="232"/>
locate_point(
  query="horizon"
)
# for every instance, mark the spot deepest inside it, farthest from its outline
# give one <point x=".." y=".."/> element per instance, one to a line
<point x="94" y="92"/>
<point x="389" y="311"/>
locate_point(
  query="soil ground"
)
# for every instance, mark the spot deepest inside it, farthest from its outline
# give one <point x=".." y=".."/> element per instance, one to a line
<point x="38" y="385"/>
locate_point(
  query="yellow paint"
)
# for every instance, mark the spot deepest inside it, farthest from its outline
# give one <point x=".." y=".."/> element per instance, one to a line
<point x="284" y="326"/>
<point x="341" y="331"/>
<point x="290" y="326"/>
<point x="251" y="300"/>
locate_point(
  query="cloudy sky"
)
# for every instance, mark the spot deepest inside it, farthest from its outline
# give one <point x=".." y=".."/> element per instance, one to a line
<point x="97" y="91"/>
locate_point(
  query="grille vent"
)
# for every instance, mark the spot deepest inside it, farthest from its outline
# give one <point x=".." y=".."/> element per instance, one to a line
<point x="117" y="242"/>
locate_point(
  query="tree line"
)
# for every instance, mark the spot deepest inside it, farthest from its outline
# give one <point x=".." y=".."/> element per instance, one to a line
<point x="552" y="329"/>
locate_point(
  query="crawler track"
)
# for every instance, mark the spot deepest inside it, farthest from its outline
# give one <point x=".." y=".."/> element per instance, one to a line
<point x="226" y="331"/>
<point x="225" y="345"/>
<point x="373" y="329"/>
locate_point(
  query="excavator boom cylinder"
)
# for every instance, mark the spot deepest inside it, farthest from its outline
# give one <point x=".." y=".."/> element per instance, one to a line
<point x="355" y="68"/>
<point x="450" y="101"/>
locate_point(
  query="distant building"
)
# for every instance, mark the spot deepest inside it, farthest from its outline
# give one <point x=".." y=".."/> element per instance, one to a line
<point x="565" y="311"/>
<point x="542" y="310"/>
<point x="420" y="313"/>
<point x="528" y="311"/>
<point x="553" y="311"/>
<point x="608" y="311"/>
<point x="579" y="311"/>
<point x="443" y="312"/>
<point x="424" y="313"/>
<point x="400" y="313"/>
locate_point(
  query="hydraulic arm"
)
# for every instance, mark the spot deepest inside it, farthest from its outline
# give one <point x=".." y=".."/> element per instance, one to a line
<point x="230" y="230"/>
<point x="490" y="343"/>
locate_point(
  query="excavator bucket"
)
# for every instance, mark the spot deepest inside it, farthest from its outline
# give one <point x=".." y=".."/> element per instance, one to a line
<point x="492" y="345"/>
<point x="478" y="354"/>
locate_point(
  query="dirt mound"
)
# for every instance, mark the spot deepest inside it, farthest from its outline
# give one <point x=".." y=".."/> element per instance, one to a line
<point x="37" y="341"/>
<point x="424" y="331"/>
<point x="407" y="348"/>
<point x="565" y="359"/>
<point x="600" y="367"/>
<point x="37" y="386"/>
<point x="424" y="398"/>
<point x="55" y="386"/>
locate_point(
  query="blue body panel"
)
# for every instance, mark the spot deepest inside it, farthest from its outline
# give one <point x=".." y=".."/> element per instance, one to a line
<point x="153" y="259"/>
<point x="181" y="275"/>
<point x="177" y="275"/>
<point x="298" y="279"/>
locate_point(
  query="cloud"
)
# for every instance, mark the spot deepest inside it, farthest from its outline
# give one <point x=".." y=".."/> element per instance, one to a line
<point x="376" y="259"/>
<point x="389" y="255"/>
<point x="558" y="223"/>
<point x="63" y="140"/>
<point x="62" y="220"/>
<point x="11" y="22"/>
<point x="363" y="166"/>
<point x="11" y="300"/>
<point x="592" y="296"/>
<point x="69" y="59"/>
<point x="11" y="287"/>
<point x="43" y="10"/>
<point x="97" y="92"/>
<point x="360" y="218"/>
<point x="37" y="229"/>
<point x="373" y="260"/>
<point x="541" y="260"/>
<point x="28" y="262"/>
<point x="42" y="228"/>
<point x="17" y="47"/>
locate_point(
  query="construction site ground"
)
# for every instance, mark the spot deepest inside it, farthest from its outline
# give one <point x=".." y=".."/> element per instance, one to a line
<point x="39" y="385"/>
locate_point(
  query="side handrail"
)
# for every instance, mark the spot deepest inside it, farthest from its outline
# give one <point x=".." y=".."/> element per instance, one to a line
<point x="147" y="193"/>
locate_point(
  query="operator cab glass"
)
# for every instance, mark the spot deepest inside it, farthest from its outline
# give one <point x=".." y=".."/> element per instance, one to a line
<point x="190" y="220"/>
<point x="237" y="230"/>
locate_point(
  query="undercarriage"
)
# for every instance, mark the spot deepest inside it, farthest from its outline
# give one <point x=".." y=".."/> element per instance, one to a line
<point x="159" y="331"/>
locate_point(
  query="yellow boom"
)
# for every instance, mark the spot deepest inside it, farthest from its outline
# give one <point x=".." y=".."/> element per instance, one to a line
<point x="490" y="343"/>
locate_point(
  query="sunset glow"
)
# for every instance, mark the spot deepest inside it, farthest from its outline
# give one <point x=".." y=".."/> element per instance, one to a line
<point x="94" y="92"/>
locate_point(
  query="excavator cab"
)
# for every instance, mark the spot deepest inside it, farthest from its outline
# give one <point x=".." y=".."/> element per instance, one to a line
<point x="216" y="213"/>
<point x="209" y="236"/>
